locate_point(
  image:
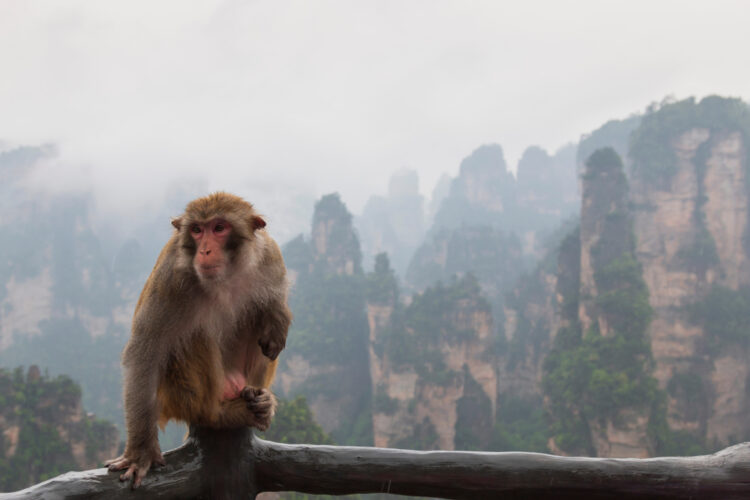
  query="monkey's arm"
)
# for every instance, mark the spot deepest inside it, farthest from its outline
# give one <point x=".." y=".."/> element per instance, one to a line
<point x="144" y="362"/>
<point x="273" y="325"/>
<point x="274" y="320"/>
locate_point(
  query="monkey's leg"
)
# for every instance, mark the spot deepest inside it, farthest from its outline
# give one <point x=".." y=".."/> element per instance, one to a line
<point x="255" y="408"/>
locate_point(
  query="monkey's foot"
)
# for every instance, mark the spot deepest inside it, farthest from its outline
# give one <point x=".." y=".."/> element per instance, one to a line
<point x="137" y="465"/>
<point x="262" y="404"/>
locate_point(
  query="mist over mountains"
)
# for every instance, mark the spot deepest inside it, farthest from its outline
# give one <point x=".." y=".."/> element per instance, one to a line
<point x="71" y="277"/>
<point x="591" y="303"/>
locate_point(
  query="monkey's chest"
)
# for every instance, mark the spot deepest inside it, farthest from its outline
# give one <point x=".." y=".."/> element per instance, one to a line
<point x="192" y="381"/>
<point x="221" y="319"/>
<point x="196" y="369"/>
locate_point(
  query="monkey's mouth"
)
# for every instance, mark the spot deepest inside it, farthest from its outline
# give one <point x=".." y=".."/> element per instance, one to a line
<point x="209" y="271"/>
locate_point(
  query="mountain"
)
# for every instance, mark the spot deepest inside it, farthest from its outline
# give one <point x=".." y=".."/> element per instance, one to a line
<point x="432" y="364"/>
<point x="60" y="297"/>
<point x="394" y="223"/>
<point x="326" y="357"/>
<point x="646" y="316"/>
<point x="496" y="226"/>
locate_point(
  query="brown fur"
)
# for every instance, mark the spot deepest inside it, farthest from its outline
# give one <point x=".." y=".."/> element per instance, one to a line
<point x="192" y="332"/>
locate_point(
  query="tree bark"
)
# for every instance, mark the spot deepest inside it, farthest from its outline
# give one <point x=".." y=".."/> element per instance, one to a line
<point x="223" y="464"/>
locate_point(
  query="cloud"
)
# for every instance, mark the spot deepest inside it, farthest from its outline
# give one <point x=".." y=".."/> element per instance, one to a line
<point x="324" y="96"/>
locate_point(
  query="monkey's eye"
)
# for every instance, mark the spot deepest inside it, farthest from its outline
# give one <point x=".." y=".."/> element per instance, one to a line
<point x="195" y="229"/>
<point x="219" y="227"/>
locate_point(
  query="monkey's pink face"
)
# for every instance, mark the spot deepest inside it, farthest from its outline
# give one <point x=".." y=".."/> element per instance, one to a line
<point x="210" y="240"/>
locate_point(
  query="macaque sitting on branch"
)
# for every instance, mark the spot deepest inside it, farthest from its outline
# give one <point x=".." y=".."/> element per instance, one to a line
<point x="207" y="329"/>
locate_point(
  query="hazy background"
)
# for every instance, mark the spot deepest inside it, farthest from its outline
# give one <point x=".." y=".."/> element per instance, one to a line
<point x="284" y="101"/>
<point x="502" y="156"/>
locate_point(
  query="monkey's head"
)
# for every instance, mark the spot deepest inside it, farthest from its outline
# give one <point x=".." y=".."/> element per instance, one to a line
<point x="213" y="230"/>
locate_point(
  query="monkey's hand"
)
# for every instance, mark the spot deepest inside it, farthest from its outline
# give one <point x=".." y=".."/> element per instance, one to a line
<point x="137" y="463"/>
<point x="262" y="403"/>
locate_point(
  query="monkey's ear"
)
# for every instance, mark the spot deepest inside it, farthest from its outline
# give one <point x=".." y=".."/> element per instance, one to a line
<point x="177" y="222"/>
<point x="258" y="222"/>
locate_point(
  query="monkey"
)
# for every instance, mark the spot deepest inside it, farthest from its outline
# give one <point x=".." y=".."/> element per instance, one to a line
<point x="207" y="330"/>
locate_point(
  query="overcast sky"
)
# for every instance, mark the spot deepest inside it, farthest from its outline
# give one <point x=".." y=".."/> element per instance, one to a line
<point x="276" y="100"/>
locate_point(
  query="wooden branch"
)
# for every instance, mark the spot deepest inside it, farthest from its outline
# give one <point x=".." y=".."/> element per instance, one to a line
<point x="234" y="464"/>
<point x="470" y="475"/>
<point x="213" y="464"/>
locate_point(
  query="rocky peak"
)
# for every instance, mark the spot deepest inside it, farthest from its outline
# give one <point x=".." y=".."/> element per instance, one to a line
<point x="484" y="180"/>
<point x="606" y="232"/>
<point x="614" y="134"/>
<point x="547" y="189"/>
<point x="394" y="223"/>
<point x="334" y="242"/>
<point x="535" y="163"/>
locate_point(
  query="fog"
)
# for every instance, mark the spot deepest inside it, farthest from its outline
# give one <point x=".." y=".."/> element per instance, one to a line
<point x="282" y="102"/>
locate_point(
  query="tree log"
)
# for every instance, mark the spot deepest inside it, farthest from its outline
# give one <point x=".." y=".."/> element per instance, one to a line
<point x="223" y="464"/>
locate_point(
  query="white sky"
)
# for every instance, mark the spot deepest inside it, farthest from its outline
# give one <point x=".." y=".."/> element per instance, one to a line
<point x="278" y="100"/>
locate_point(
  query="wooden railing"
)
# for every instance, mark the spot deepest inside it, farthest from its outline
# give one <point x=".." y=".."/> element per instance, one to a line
<point x="235" y="464"/>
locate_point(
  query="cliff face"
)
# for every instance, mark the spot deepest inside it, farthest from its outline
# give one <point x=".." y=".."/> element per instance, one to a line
<point x="604" y="199"/>
<point x="335" y="246"/>
<point x="532" y="312"/>
<point x="434" y="369"/>
<point x="51" y="265"/>
<point x="659" y="332"/>
<point x="692" y="235"/>
<point x="597" y="377"/>
<point x="55" y="282"/>
<point x="326" y="358"/>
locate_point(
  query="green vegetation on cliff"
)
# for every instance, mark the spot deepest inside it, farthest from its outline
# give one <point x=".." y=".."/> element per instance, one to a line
<point x="429" y="323"/>
<point x="521" y="425"/>
<point x="58" y="347"/>
<point x="614" y="134"/>
<point x="42" y="423"/>
<point x="474" y="424"/>
<point x="424" y="436"/>
<point x="294" y="423"/>
<point x="725" y="315"/>
<point x="419" y="339"/>
<point x="591" y="376"/>
<point x="332" y="223"/>
<point x="491" y="254"/>
<point x="329" y="322"/>
<point x="330" y="330"/>
<point x="651" y="143"/>
<point x="382" y="286"/>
